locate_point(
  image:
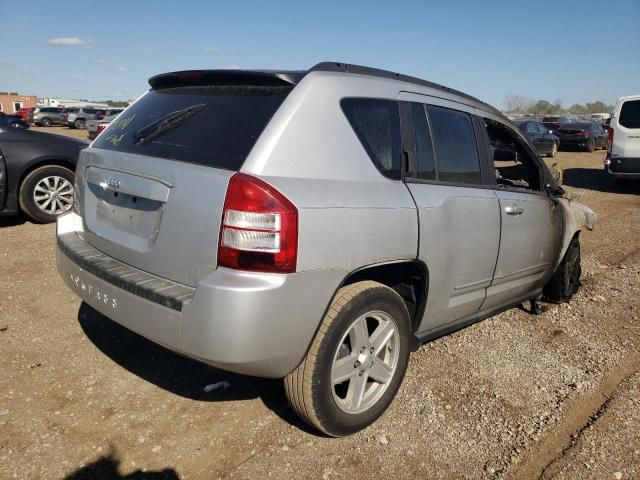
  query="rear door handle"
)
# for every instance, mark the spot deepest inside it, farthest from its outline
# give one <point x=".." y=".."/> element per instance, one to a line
<point x="514" y="211"/>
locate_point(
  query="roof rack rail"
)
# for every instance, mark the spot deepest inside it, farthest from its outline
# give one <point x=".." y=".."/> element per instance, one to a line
<point x="376" y="72"/>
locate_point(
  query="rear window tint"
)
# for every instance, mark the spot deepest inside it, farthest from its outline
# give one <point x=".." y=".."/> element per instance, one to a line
<point x="455" y="146"/>
<point x="630" y="114"/>
<point x="376" y="122"/>
<point x="220" y="135"/>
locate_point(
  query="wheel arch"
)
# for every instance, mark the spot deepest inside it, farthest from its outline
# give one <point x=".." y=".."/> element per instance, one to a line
<point x="408" y="278"/>
<point x="44" y="162"/>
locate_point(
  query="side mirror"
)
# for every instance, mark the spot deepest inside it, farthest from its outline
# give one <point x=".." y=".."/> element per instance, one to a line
<point x="554" y="191"/>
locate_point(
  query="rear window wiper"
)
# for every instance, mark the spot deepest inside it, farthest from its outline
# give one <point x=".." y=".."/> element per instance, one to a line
<point x="151" y="131"/>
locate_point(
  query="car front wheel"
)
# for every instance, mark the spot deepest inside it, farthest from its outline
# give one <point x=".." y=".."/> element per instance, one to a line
<point x="356" y="362"/>
<point x="566" y="279"/>
<point x="554" y="150"/>
<point x="46" y="193"/>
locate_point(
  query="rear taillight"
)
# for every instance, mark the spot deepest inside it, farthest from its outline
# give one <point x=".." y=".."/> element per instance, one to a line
<point x="101" y="128"/>
<point x="259" y="228"/>
<point x="609" y="143"/>
<point x="581" y="133"/>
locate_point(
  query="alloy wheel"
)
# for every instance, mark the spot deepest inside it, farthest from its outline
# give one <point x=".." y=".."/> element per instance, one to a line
<point x="365" y="362"/>
<point x="53" y="195"/>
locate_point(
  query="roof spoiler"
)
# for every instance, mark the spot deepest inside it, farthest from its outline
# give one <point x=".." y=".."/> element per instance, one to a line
<point x="265" y="78"/>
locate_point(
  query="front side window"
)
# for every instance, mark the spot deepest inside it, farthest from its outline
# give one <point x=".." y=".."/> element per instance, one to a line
<point x="513" y="164"/>
<point x="630" y="114"/>
<point x="376" y="123"/>
<point x="455" y="146"/>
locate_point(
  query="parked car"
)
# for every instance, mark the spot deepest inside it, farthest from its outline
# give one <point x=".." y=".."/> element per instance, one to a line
<point x="48" y="116"/>
<point x="325" y="240"/>
<point x="544" y="141"/>
<point x="78" y="117"/>
<point x="553" y="122"/>
<point x="589" y="136"/>
<point x="95" y="127"/>
<point x="36" y="173"/>
<point x="599" y="117"/>
<point x="623" y="145"/>
<point x="102" y="114"/>
<point x="14" y="121"/>
<point x="26" y="114"/>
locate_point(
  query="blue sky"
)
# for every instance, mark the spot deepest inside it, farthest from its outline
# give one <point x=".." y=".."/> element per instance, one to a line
<point x="577" y="51"/>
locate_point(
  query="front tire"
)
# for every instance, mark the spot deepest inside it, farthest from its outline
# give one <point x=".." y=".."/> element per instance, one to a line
<point x="46" y="193"/>
<point x="45" y="122"/>
<point x="79" y="124"/>
<point x="554" y="150"/>
<point x="566" y="279"/>
<point x="356" y="362"/>
<point x="591" y="146"/>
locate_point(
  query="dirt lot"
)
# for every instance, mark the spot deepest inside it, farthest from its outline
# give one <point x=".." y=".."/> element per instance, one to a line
<point x="516" y="396"/>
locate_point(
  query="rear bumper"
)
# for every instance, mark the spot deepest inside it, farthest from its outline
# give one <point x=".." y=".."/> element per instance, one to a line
<point x="249" y="323"/>
<point x="574" y="142"/>
<point x="623" y="167"/>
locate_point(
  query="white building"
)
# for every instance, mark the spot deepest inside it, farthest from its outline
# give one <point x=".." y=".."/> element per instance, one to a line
<point x="69" y="103"/>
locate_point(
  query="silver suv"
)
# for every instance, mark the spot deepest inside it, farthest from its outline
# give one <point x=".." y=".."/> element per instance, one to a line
<point x="78" y="117"/>
<point x="314" y="226"/>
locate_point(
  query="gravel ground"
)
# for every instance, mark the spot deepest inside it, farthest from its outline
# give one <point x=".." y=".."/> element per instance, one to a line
<point x="516" y="396"/>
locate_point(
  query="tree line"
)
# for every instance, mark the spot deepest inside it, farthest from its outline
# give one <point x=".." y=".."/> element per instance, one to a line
<point x="515" y="103"/>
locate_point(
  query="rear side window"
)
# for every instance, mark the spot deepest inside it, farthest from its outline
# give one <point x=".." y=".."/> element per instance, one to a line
<point x="630" y="114"/>
<point x="455" y="146"/>
<point x="221" y="134"/>
<point x="376" y="122"/>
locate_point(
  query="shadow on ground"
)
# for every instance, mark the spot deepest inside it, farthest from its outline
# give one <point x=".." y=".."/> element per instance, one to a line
<point x="106" y="468"/>
<point x="12" y="221"/>
<point x="599" y="180"/>
<point x="177" y="374"/>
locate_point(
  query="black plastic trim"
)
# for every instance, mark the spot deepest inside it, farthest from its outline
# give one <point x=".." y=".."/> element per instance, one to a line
<point x="441" y="331"/>
<point x="150" y="287"/>
<point x="267" y="78"/>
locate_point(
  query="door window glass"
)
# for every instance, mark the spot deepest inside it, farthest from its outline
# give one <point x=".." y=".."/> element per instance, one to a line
<point x="425" y="164"/>
<point x="455" y="146"/>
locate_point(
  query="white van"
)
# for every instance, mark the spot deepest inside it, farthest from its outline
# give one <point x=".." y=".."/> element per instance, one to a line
<point x="623" y="146"/>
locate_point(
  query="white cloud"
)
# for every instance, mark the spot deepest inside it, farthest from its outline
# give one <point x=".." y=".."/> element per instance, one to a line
<point x="31" y="72"/>
<point x="145" y="51"/>
<point x="212" y="49"/>
<point x="120" y="70"/>
<point x="6" y="61"/>
<point x="79" y="79"/>
<point x="71" y="42"/>
<point x="102" y="61"/>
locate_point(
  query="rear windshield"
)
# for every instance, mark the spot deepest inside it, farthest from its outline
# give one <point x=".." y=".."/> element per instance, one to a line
<point x="630" y="114"/>
<point x="221" y="134"/>
<point x="551" y="119"/>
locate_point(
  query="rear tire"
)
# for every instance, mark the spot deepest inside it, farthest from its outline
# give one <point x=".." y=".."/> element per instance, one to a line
<point x="565" y="281"/>
<point x="554" y="150"/>
<point x="356" y="362"/>
<point x="45" y="122"/>
<point x="34" y="189"/>
<point x="80" y="123"/>
<point x="591" y="146"/>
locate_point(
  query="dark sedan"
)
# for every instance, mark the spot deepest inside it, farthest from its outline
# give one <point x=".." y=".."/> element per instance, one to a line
<point x="546" y="143"/>
<point x="589" y="136"/>
<point x="36" y="173"/>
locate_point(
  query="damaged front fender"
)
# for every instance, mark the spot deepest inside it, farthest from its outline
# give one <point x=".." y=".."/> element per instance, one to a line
<point x="576" y="216"/>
